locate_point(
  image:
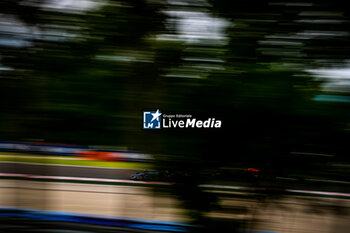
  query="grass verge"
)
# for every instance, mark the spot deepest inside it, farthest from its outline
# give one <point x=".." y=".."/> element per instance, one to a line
<point x="77" y="162"/>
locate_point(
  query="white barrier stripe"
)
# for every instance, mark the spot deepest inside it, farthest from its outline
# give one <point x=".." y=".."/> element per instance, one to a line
<point x="319" y="192"/>
<point x="161" y="183"/>
<point x="226" y="187"/>
<point x="80" y="179"/>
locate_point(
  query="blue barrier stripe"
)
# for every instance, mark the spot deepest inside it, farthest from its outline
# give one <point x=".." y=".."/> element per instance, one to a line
<point x="92" y="219"/>
<point x="83" y="215"/>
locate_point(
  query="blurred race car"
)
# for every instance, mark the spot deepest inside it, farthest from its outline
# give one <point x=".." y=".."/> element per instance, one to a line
<point x="239" y="174"/>
<point x="145" y="175"/>
<point x="162" y="175"/>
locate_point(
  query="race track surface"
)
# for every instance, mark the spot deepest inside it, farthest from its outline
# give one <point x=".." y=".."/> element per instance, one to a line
<point x="124" y="174"/>
<point x="63" y="170"/>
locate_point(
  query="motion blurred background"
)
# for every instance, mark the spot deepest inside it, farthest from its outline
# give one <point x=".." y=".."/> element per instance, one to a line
<point x="76" y="76"/>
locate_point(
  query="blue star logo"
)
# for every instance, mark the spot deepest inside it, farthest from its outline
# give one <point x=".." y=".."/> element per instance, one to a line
<point x="151" y="120"/>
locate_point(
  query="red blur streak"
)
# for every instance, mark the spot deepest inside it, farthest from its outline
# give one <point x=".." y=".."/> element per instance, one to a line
<point x="101" y="155"/>
<point x="253" y="170"/>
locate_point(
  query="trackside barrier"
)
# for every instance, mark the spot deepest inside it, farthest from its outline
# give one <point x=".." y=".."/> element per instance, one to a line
<point x="41" y="148"/>
<point x="74" y="150"/>
<point x="58" y="216"/>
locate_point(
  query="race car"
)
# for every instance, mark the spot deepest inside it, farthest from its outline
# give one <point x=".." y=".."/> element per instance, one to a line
<point x="145" y="175"/>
